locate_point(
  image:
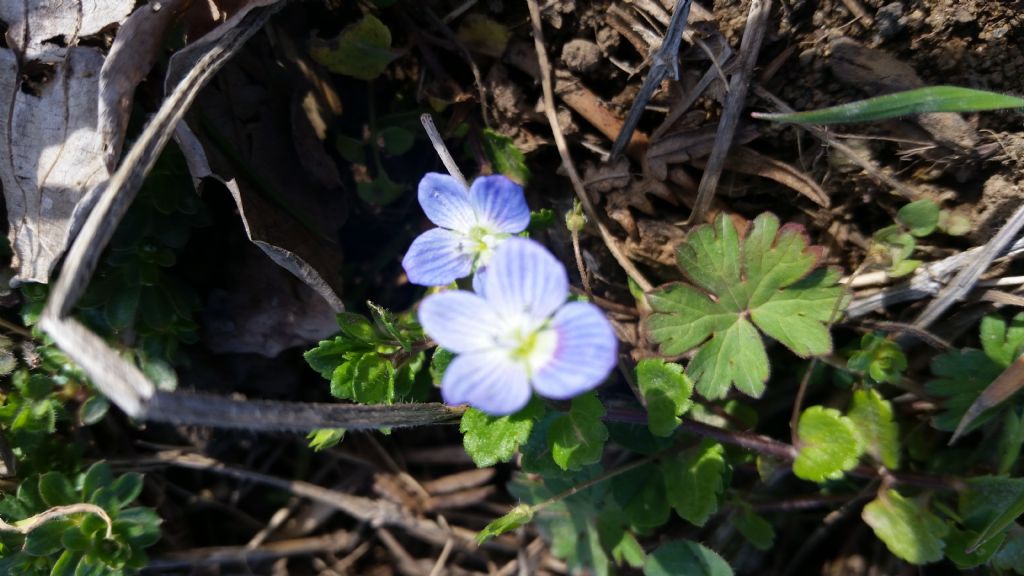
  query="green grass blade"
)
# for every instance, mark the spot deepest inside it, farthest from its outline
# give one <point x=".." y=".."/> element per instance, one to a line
<point x="917" y="101"/>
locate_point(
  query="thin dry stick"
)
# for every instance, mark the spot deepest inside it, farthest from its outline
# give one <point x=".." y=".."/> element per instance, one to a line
<point x="442" y="151"/>
<point x="750" y="48"/>
<point x="333" y="542"/>
<point x="563" y="151"/>
<point x="964" y="281"/>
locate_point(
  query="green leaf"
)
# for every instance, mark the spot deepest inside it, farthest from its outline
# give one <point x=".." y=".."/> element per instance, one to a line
<point x="829" y="445"/>
<point x="873" y="421"/>
<point x="954" y="223"/>
<point x="126" y="489"/>
<point x="990" y="505"/>
<point x="1002" y="342"/>
<point x="508" y="160"/>
<point x="960" y="549"/>
<point x="140" y="525"/>
<point x="920" y="217"/>
<point x="893" y="245"/>
<point x="45" y="539"/>
<point x="380" y="191"/>
<point x="518" y="516"/>
<point x="909" y="531"/>
<point x="679" y="557"/>
<point x="481" y="34"/>
<point x="1011" y="440"/>
<point x="623" y="545"/>
<point x="642" y="494"/>
<point x="917" y="101"/>
<point x="351" y="149"/>
<point x="666" y="390"/>
<point x="362" y="50"/>
<point x="66" y="564"/>
<point x="121" y="308"/>
<point x="93" y="410"/>
<point x="880" y="358"/>
<point x="577" y="438"/>
<point x="962" y="375"/>
<point x="395" y="140"/>
<point x="694" y="480"/>
<point x="56" y="489"/>
<point x="74" y="539"/>
<point x="324" y="438"/>
<point x="90" y="566"/>
<point x="1011" y="556"/>
<point x="540" y="220"/>
<point x="439" y="363"/>
<point x="98" y="476"/>
<point x="737" y="286"/>
<point x="755" y="528"/>
<point x="373" y="380"/>
<point x="490" y="439"/>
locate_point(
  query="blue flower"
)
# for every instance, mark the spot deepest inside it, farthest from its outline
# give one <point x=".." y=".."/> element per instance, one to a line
<point x="472" y="223"/>
<point x="517" y="334"/>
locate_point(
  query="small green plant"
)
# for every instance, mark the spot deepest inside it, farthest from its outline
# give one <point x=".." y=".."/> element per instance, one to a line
<point x="57" y="525"/>
<point x="737" y="286"/>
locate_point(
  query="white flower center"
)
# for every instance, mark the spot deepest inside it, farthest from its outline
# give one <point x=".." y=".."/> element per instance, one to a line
<point x="482" y="243"/>
<point x="526" y="343"/>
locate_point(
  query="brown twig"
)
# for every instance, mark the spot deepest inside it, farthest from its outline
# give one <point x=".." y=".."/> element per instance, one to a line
<point x="563" y="151"/>
<point x="750" y="48"/>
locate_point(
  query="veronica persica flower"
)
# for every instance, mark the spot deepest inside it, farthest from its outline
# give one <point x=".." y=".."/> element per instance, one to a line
<point x="471" y="224"/>
<point x="517" y="334"/>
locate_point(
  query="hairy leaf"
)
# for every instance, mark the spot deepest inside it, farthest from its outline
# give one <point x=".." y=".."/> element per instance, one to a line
<point x="666" y="390"/>
<point x="829" y="445"/>
<point x="872" y="419"/>
<point x="685" y="557"/>
<point x="909" y="530"/>
<point x="694" y="480"/>
<point x="577" y="438"/>
<point x="738" y="285"/>
<point x="490" y="439"/>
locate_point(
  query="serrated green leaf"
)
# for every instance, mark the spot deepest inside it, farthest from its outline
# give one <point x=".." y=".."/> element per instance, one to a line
<point x="373" y="380"/>
<point x="920" y="217"/>
<point x="829" y="445"/>
<point x="666" y="391"/>
<point x="577" y="438"/>
<point x="766" y="277"/>
<point x="329" y="354"/>
<point x="324" y="438"/>
<point x="916" y="101"/>
<point x="694" y="480"/>
<point x="362" y="50"/>
<point x="679" y="557"/>
<point x="518" y="516"/>
<point x="509" y="161"/>
<point x="962" y="375"/>
<point x="755" y="528"/>
<point x="489" y="439"/>
<point x="873" y="420"/>
<point x="909" y="530"/>
<point x="1002" y="342"/>
<point x="56" y="489"/>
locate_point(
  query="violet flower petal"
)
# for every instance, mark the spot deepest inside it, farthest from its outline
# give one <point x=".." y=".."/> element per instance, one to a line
<point x="500" y="204"/>
<point x="458" y="320"/>
<point x="446" y="202"/>
<point x="524" y="278"/>
<point x="437" y="257"/>
<point x="488" y="381"/>
<point x="586" y="352"/>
